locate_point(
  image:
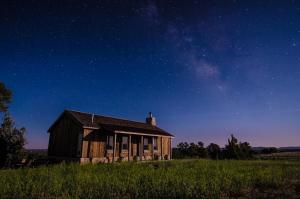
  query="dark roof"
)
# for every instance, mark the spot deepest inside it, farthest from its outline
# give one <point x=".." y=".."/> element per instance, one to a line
<point x="115" y="124"/>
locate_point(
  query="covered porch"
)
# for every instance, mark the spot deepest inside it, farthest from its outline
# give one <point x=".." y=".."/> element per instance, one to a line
<point x="122" y="146"/>
<point x="117" y="146"/>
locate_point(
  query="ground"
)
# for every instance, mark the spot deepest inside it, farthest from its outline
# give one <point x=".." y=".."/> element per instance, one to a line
<point x="165" y="179"/>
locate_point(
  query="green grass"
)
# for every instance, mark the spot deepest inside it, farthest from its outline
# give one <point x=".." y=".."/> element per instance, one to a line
<point x="172" y="179"/>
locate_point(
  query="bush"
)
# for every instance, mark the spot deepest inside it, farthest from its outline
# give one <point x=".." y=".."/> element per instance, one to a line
<point x="12" y="141"/>
<point x="166" y="157"/>
<point x="235" y="150"/>
<point x="156" y="157"/>
<point x="135" y="158"/>
<point x="192" y="150"/>
<point x="269" y="150"/>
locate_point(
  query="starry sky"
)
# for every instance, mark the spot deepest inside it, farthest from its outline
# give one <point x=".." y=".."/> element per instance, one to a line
<point x="206" y="69"/>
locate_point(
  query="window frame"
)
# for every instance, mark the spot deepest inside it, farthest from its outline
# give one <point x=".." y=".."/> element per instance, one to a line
<point x="146" y="147"/>
<point x="124" y="142"/>
<point x="155" y="144"/>
<point x="110" y="143"/>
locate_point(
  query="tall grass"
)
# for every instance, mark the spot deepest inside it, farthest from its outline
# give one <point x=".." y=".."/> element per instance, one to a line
<point x="172" y="179"/>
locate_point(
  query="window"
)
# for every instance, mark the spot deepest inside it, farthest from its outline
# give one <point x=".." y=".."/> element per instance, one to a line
<point x="146" y="144"/>
<point x="124" y="143"/>
<point x="110" y="142"/>
<point x="154" y="143"/>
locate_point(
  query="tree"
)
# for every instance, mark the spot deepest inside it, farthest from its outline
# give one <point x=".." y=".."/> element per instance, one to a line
<point x="201" y="150"/>
<point x="231" y="149"/>
<point x="193" y="150"/>
<point x="12" y="141"/>
<point x="235" y="150"/>
<point x="5" y="97"/>
<point x="269" y="150"/>
<point x="183" y="149"/>
<point x="245" y="150"/>
<point x="214" y="151"/>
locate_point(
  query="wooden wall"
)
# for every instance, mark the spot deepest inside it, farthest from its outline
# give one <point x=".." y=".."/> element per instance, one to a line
<point x="86" y="145"/>
<point x="159" y="145"/>
<point x="98" y="149"/>
<point x="63" y="140"/>
<point x="94" y="144"/>
<point x="166" y="146"/>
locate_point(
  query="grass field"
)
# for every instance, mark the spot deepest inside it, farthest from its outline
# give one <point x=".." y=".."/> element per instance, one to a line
<point x="172" y="179"/>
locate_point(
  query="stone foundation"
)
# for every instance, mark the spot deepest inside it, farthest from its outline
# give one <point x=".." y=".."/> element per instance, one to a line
<point x="84" y="160"/>
<point x="119" y="159"/>
<point x="99" y="160"/>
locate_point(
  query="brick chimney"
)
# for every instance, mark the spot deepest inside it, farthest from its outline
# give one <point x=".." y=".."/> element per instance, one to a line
<point x="151" y="120"/>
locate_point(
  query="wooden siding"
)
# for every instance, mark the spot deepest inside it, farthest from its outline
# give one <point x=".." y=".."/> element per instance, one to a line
<point x="94" y="144"/>
<point x="86" y="143"/>
<point x="99" y="145"/>
<point x="63" y="139"/>
<point x="159" y="145"/>
<point x="165" y="146"/>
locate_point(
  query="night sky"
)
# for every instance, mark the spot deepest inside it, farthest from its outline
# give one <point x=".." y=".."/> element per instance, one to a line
<point x="206" y="69"/>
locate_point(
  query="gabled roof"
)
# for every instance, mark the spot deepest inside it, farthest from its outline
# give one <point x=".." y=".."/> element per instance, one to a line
<point x="114" y="124"/>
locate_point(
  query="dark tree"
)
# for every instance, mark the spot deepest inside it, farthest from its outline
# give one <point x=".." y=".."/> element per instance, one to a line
<point x="5" y="97"/>
<point x="231" y="149"/>
<point x="12" y="141"/>
<point x="269" y="150"/>
<point x="183" y="149"/>
<point x="192" y="150"/>
<point x="214" y="151"/>
<point x="201" y="150"/>
<point x="235" y="150"/>
<point x="245" y="150"/>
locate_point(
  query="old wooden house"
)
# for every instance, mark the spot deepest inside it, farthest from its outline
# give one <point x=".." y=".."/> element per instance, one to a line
<point x="86" y="137"/>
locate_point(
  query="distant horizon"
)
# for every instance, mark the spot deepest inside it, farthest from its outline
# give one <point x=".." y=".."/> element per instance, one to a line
<point x="176" y="146"/>
<point x="206" y="69"/>
<point x="174" y="141"/>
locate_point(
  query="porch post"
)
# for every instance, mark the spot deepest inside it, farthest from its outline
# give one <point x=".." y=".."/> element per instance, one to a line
<point x="161" y="148"/>
<point x="170" y="148"/>
<point x="142" y="147"/>
<point x="152" y="148"/>
<point x="129" y="147"/>
<point x="114" y="148"/>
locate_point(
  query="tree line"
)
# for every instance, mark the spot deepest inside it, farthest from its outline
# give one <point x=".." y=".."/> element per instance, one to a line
<point x="232" y="150"/>
<point x="12" y="139"/>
